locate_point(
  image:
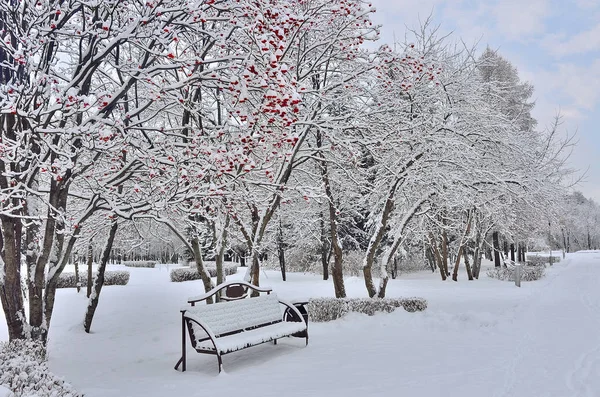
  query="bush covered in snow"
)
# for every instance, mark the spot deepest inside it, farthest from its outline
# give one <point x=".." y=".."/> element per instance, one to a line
<point x="328" y="309"/>
<point x="24" y="371"/>
<point x="188" y="273"/>
<point x="149" y="264"/>
<point x="529" y="273"/>
<point x="111" y="277"/>
<point x="537" y="259"/>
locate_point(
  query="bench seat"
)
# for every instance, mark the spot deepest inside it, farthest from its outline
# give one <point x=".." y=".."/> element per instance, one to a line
<point x="231" y="343"/>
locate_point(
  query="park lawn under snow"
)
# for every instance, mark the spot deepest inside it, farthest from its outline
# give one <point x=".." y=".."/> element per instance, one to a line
<point x="481" y="338"/>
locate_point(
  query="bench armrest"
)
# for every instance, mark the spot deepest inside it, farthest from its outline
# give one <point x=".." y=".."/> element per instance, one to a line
<point x="295" y="310"/>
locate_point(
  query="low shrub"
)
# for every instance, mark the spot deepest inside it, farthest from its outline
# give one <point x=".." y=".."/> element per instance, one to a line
<point x="111" y="277"/>
<point x="24" y="371"/>
<point x="188" y="273"/>
<point x="150" y="264"/>
<point x="328" y="309"/>
<point x="528" y="273"/>
<point x="536" y="259"/>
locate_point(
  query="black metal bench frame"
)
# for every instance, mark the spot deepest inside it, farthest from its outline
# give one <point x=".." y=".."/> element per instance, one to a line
<point x="231" y="291"/>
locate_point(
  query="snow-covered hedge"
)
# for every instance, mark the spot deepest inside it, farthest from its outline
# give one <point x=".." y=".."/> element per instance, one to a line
<point x="149" y="264"/>
<point x="24" y="371"/>
<point x="328" y="309"/>
<point x="111" y="277"/>
<point x="536" y="259"/>
<point x="529" y="273"/>
<point x="187" y="274"/>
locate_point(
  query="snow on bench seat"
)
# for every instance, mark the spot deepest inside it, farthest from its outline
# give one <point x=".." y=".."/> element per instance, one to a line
<point x="226" y="317"/>
<point x="242" y="340"/>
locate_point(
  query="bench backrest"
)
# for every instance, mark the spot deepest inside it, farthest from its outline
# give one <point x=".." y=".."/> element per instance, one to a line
<point x="226" y="317"/>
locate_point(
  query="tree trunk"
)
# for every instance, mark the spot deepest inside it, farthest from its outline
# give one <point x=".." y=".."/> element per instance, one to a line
<point x="445" y="252"/>
<point x="460" y="249"/>
<point x="90" y="261"/>
<point x="375" y="241"/>
<point x="389" y="259"/>
<point x="281" y="250"/>
<point x="337" y="270"/>
<point x="11" y="295"/>
<point x="200" y="267"/>
<point x="254" y="272"/>
<point x="430" y="258"/>
<point x="468" y="265"/>
<point x="479" y="240"/>
<point x="437" y="256"/>
<point x="77" y="281"/>
<point x="99" y="281"/>
<point x="589" y="239"/>
<point x="325" y="248"/>
<point x="35" y="277"/>
<point x="220" y="248"/>
<point x="512" y="252"/>
<point x="496" y="244"/>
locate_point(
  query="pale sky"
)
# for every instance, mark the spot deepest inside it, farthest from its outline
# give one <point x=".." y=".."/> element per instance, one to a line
<point x="555" y="45"/>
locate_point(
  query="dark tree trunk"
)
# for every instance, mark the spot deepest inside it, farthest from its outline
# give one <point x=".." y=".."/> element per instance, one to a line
<point x="395" y="268"/>
<point x="220" y="258"/>
<point x="437" y="256"/>
<point x="281" y="250"/>
<point x="99" y="281"/>
<point x="460" y="250"/>
<point x="90" y="262"/>
<point x="429" y="256"/>
<point x="337" y="270"/>
<point x="11" y="295"/>
<point x="476" y="262"/>
<point x="325" y="248"/>
<point x="468" y="265"/>
<point x="197" y="252"/>
<point x="512" y="252"/>
<point x="77" y="281"/>
<point x="496" y="244"/>
<point x="445" y="252"/>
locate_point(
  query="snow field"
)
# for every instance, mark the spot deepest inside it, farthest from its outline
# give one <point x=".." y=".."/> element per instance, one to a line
<point x="485" y="337"/>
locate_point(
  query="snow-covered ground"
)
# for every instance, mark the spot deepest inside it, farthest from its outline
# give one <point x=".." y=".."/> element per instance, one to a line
<point x="481" y="338"/>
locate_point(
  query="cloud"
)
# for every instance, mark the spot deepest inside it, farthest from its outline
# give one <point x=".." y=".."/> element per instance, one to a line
<point x="587" y="4"/>
<point x="581" y="83"/>
<point x="518" y="20"/>
<point x="581" y="43"/>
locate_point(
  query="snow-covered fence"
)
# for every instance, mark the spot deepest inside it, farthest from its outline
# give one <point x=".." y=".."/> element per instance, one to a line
<point x="150" y="264"/>
<point x="187" y="274"/>
<point x="111" y="277"/>
<point x="24" y="371"/>
<point x="328" y="309"/>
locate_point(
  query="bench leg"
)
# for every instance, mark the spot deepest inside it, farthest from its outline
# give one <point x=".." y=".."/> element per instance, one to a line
<point x="183" y="358"/>
<point x="274" y="341"/>
<point x="220" y="362"/>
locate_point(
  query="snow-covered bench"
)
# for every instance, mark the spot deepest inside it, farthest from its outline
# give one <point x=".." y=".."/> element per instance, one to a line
<point x="235" y="324"/>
